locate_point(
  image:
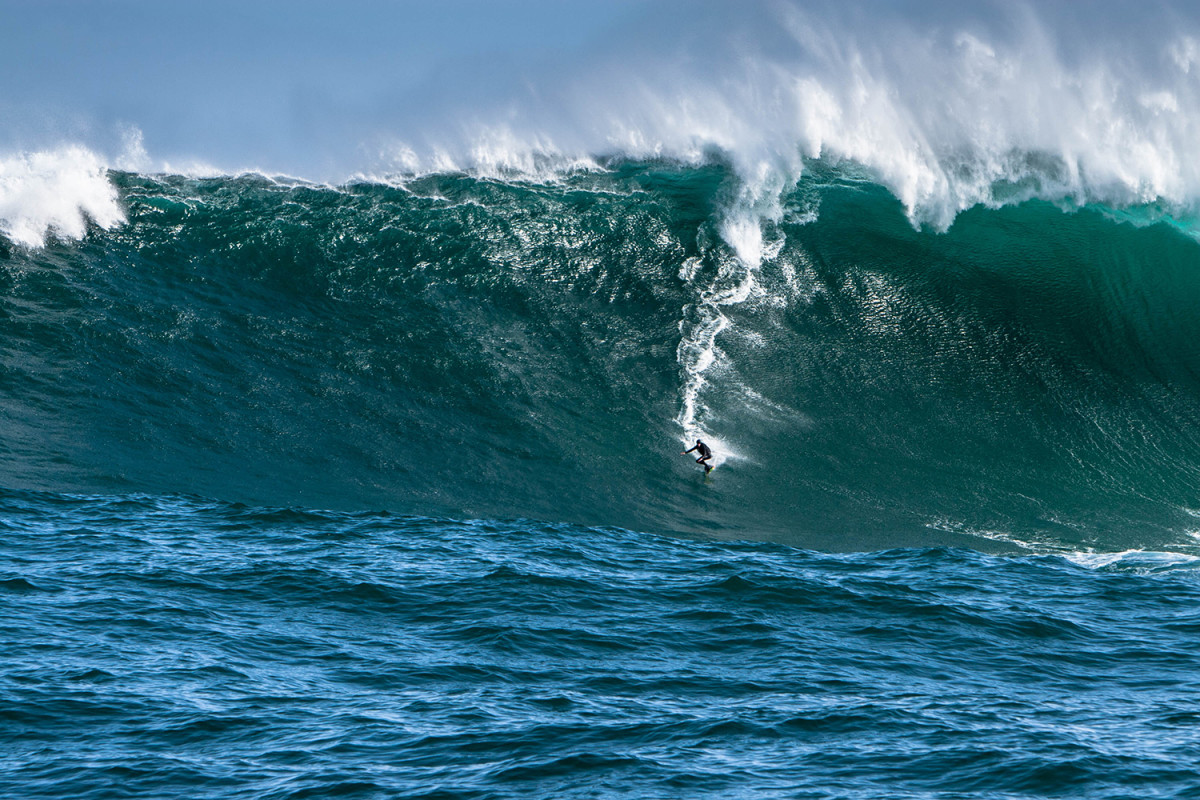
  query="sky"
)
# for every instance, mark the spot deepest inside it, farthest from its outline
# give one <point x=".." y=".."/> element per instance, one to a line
<point x="269" y="82"/>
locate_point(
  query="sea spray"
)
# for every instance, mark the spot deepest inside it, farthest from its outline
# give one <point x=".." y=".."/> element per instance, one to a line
<point x="948" y="107"/>
<point x="55" y="192"/>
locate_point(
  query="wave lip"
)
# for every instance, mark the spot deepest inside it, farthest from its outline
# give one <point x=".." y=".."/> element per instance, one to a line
<point x="947" y="107"/>
<point x="55" y="192"/>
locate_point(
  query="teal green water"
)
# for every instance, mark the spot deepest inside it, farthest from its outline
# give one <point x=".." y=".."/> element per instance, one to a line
<point x="488" y="348"/>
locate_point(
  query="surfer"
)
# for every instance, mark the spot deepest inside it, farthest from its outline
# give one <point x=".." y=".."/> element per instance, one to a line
<point x="705" y="454"/>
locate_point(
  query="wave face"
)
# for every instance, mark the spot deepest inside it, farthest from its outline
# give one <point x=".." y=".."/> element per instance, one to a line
<point x="166" y="647"/>
<point x="482" y="347"/>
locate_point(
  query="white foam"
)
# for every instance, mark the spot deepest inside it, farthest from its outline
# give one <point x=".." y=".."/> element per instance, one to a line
<point x="942" y="102"/>
<point x="734" y="281"/>
<point x="953" y="526"/>
<point x="55" y="191"/>
<point x="948" y="107"/>
<point x="497" y="153"/>
<point x="1136" y="559"/>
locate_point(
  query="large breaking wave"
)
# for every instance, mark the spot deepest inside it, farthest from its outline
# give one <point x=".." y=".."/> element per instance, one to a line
<point x="483" y="347"/>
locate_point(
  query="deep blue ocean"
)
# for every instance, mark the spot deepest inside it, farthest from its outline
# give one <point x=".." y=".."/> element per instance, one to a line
<point x="167" y="646"/>
<point x="342" y="403"/>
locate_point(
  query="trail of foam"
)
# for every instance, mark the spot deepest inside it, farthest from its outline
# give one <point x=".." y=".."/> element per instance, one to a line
<point x="55" y="192"/>
<point x="735" y="281"/>
<point x="1134" y="560"/>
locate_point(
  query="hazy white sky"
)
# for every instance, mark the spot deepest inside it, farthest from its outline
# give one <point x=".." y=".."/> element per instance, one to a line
<point x="266" y="79"/>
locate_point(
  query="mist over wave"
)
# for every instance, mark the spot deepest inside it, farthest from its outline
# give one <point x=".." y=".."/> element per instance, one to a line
<point x="946" y="105"/>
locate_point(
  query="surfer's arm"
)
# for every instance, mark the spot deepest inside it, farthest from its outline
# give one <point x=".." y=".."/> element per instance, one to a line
<point x="685" y="452"/>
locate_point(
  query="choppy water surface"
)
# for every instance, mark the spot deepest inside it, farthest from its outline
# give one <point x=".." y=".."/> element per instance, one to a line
<point x="156" y="647"/>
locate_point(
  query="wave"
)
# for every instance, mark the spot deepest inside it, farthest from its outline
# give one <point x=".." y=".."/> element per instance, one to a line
<point x="476" y="347"/>
<point x="948" y="108"/>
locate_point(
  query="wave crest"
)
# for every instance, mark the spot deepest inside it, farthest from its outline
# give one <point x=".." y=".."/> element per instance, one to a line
<point x="55" y="192"/>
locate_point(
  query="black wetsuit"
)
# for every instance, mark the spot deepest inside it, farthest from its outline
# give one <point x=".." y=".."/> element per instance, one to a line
<point x="705" y="454"/>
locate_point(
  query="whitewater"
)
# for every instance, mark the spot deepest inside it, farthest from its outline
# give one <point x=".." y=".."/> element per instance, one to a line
<point x="343" y="389"/>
